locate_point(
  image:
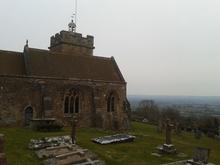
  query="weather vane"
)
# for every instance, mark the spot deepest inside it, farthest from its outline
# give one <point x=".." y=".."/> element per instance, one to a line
<point x="72" y="24"/>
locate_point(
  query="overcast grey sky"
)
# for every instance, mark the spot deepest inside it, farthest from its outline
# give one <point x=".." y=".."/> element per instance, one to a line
<point x="163" y="47"/>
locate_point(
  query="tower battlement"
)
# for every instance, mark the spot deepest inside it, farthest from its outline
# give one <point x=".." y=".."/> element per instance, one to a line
<point x="71" y="42"/>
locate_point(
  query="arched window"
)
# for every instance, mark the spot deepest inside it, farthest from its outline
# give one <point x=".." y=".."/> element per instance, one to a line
<point x="66" y="105"/>
<point x="28" y="115"/>
<point x="111" y="103"/>
<point x="72" y="103"/>
<point x="76" y="104"/>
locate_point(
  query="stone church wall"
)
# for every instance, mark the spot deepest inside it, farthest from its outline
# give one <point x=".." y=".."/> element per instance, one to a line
<point x="46" y="96"/>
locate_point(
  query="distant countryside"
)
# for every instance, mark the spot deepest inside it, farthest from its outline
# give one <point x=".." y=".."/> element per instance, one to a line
<point x="200" y="114"/>
<point x="186" y="105"/>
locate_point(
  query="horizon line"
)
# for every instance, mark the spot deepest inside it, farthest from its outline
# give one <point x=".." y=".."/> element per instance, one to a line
<point x="166" y="95"/>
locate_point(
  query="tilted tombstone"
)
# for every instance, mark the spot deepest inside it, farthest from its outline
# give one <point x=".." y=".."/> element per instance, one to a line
<point x="201" y="155"/>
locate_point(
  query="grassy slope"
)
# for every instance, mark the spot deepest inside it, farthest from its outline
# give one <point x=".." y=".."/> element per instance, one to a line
<point x="138" y="152"/>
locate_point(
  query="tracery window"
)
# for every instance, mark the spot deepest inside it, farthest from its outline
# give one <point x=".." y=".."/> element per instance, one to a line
<point x="72" y="103"/>
<point x="111" y="103"/>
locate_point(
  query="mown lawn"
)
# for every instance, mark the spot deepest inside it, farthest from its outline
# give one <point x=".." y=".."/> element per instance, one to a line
<point x="136" y="153"/>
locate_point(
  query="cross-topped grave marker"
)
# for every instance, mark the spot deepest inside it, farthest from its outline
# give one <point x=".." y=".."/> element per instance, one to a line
<point x="169" y="128"/>
<point x="74" y="125"/>
<point x="168" y="147"/>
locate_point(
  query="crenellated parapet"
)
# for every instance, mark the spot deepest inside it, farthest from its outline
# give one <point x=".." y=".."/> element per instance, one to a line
<point x="71" y="42"/>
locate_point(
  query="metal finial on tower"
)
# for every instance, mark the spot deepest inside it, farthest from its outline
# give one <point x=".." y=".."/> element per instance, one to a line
<point x="72" y="24"/>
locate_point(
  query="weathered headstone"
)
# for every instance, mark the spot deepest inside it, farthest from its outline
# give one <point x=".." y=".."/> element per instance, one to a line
<point x="3" y="160"/>
<point x="73" y="132"/>
<point x="1" y="143"/>
<point x="201" y="155"/>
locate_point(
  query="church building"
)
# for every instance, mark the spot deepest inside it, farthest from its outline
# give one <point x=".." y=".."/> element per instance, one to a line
<point x="60" y="82"/>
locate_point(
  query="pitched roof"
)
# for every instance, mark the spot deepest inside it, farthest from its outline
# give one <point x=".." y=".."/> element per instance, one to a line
<point x="11" y="63"/>
<point x="52" y="64"/>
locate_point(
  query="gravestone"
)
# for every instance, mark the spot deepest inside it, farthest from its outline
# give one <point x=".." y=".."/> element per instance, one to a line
<point x="1" y="143"/>
<point x="74" y="125"/>
<point x="201" y="156"/>
<point x="60" y="151"/>
<point x="118" y="138"/>
<point x="198" y="134"/>
<point x="168" y="147"/>
<point x="3" y="160"/>
<point x="36" y="144"/>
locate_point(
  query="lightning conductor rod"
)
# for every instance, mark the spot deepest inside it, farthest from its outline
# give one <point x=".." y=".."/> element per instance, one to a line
<point x="76" y="13"/>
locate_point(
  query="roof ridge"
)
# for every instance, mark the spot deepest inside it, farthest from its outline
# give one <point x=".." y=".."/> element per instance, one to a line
<point x="8" y="51"/>
<point x="37" y="49"/>
<point x="78" y="55"/>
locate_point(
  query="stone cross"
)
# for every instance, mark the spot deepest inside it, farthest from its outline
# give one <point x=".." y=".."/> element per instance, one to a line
<point x="168" y="131"/>
<point x="74" y="125"/>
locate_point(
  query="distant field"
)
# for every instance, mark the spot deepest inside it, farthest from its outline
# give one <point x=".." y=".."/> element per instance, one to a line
<point x="136" y="153"/>
<point x="198" y="106"/>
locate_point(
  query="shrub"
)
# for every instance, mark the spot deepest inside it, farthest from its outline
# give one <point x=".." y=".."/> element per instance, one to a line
<point x="47" y="126"/>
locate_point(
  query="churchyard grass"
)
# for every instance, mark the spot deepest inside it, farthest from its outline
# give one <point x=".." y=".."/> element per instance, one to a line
<point x="137" y="152"/>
